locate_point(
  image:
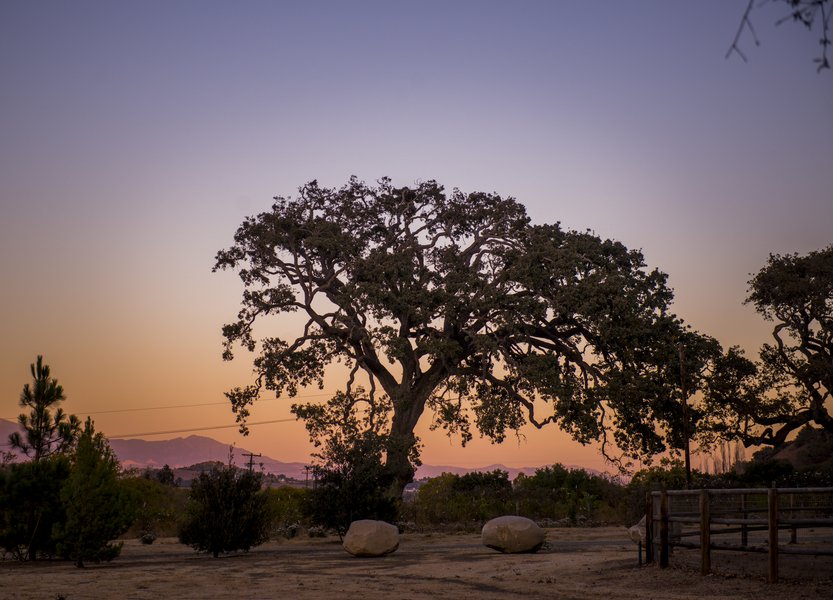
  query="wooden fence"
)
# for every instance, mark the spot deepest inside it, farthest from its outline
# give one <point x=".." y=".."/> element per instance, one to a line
<point x="695" y="518"/>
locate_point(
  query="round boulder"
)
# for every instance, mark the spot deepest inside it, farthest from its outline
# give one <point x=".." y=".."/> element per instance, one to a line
<point x="512" y="535"/>
<point x="371" y="538"/>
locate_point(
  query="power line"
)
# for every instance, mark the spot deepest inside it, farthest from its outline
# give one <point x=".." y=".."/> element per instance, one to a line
<point x="118" y="410"/>
<point x="169" y="406"/>
<point x="130" y="435"/>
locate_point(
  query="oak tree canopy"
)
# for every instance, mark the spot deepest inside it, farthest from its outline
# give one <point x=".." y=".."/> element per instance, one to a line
<point x="458" y="306"/>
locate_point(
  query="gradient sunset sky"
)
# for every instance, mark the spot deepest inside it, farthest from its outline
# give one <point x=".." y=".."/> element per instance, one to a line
<point x="135" y="137"/>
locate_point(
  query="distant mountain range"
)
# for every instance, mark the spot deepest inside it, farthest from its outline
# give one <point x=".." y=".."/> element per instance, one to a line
<point x="812" y="448"/>
<point x="179" y="452"/>
<point x="183" y="452"/>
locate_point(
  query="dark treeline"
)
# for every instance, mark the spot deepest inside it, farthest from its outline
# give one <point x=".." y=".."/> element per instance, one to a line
<point x="36" y="512"/>
<point x="555" y="493"/>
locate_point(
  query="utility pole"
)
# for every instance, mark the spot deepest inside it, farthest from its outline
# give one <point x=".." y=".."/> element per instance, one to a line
<point x="251" y="459"/>
<point x="681" y="349"/>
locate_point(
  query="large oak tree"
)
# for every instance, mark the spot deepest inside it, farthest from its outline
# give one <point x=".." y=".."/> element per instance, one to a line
<point x="456" y="304"/>
<point x="794" y="380"/>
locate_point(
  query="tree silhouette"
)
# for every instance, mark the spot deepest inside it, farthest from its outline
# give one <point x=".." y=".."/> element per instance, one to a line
<point x="794" y="380"/>
<point x="351" y="481"/>
<point x="808" y="13"/>
<point x="31" y="506"/>
<point x="98" y="507"/>
<point x="456" y="305"/>
<point x="44" y="433"/>
<point x="226" y="511"/>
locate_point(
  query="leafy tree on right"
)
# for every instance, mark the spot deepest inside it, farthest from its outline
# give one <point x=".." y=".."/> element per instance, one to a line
<point x="792" y="387"/>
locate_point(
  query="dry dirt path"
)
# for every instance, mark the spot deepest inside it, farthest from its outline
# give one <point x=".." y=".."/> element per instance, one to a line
<point x="576" y="564"/>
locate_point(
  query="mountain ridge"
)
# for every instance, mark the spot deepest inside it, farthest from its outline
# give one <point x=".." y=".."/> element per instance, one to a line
<point x="186" y="451"/>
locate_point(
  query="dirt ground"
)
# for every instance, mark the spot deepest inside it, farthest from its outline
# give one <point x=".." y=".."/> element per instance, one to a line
<point x="584" y="564"/>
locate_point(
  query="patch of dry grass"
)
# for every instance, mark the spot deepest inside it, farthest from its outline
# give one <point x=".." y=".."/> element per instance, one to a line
<point x="584" y="564"/>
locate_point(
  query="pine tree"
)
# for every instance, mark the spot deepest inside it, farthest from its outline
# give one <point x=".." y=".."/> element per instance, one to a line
<point x="45" y="434"/>
<point x="98" y="508"/>
<point x="30" y="502"/>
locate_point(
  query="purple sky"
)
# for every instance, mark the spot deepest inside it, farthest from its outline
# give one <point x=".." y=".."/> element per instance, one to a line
<point x="134" y="138"/>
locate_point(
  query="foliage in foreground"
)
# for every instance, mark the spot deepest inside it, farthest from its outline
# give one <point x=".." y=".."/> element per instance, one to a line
<point x="793" y="386"/>
<point x="98" y="507"/>
<point x="351" y="480"/>
<point x="286" y="507"/>
<point x="352" y="486"/>
<point x="72" y="506"/>
<point x="552" y="493"/>
<point x="159" y="505"/>
<point x="226" y="511"/>
<point x="452" y="498"/>
<point x="31" y="506"/>
<point x="67" y="499"/>
<point x="575" y="496"/>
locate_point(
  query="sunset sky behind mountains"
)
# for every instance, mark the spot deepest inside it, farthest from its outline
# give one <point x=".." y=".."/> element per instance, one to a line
<point x="135" y="137"/>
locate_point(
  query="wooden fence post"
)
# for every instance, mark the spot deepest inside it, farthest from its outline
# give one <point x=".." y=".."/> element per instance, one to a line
<point x="772" y="529"/>
<point x="705" y="534"/>
<point x="663" y="529"/>
<point x="649" y="529"/>
<point x="793" y="530"/>
<point x="744" y="529"/>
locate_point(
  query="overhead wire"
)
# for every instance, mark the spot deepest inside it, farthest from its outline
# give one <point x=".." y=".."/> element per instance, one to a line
<point x="130" y="435"/>
<point x="170" y="406"/>
<point x="192" y="429"/>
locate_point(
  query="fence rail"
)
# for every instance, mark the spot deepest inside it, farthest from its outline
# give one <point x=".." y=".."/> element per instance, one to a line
<point x="720" y="512"/>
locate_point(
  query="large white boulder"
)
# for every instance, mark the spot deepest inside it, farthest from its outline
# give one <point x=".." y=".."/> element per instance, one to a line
<point x="371" y="538"/>
<point x="512" y="534"/>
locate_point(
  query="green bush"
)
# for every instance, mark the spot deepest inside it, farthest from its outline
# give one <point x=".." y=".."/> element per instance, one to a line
<point x="71" y="506"/>
<point x="285" y="506"/>
<point x="556" y="492"/>
<point x="481" y="496"/>
<point x="158" y="507"/>
<point x="432" y="503"/>
<point x="552" y="493"/>
<point x="353" y="484"/>
<point x="98" y="507"/>
<point x="467" y="500"/>
<point x="30" y="506"/>
<point x="226" y="511"/>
